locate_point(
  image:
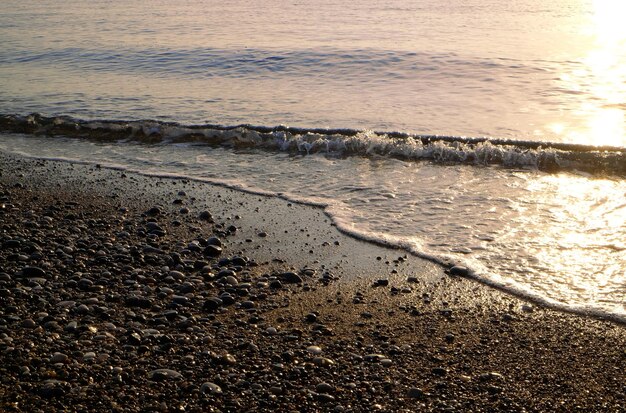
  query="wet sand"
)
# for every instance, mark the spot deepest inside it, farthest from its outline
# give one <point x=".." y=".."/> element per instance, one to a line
<point x="122" y="292"/>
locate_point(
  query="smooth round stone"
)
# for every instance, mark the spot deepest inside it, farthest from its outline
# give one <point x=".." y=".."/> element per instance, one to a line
<point x="90" y="355"/>
<point x="323" y="361"/>
<point x="276" y="284"/>
<point x="177" y="275"/>
<point x="30" y="272"/>
<point x="276" y="390"/>
<point x="82" y="309"/>
<point x="439" y="371"/>
<point x="271" y="330"/>
<point x="212" y="251"/>
<point x="58" y="358"/>
<point x="325" y="398"/>
<point x="492" y="375"/>
<point x="248" y="304"/>
<point x="324" y="388"/>
<point x="164" y="374"/>
<point x="314" y="350"/>
<point x="230" y="280"/>
<point x="71" y="326"/>
<point x="291" y="278"/>
<point x="212" y="304"/>
<point x="205" y="216"/>
<point x="155" y="210"/>
<point x="240" y="261"/>
<point x="415" y="393"/>
<point x="374" y="358"/>
<point x="386" y="362"/>
<point x="29" y="323"/>
<point x="210" y="388"/>
<point x="459" y="271"/>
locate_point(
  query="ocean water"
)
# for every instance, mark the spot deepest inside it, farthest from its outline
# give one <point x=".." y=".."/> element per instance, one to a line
<point x="484" y="133"/>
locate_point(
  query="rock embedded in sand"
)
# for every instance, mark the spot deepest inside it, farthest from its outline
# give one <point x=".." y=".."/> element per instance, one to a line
<point x="291" y="278"/>
<point x="205" y="216"/>
<point x="459" y="271"/>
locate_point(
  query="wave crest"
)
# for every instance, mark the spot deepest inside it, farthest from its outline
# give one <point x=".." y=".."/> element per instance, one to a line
<point x="544" y="156"/>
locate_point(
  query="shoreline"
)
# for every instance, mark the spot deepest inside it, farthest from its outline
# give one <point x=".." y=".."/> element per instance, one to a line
<point x="420" y="340"/>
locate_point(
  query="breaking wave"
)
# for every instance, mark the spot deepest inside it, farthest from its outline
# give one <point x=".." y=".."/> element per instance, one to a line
<point x="543" y="156"/>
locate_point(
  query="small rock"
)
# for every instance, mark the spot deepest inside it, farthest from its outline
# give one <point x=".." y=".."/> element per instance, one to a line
<point x="439" y="371"/>
<point x="324" y="388"/>
<point x="33" y="272"/>
<point x="314" y="350"/>
<point x="291" y="278"/>
<point x="323" y="361"/>
<point x="459" y="271"/>
<point x="212" y="304"/>
<point x="58" y="358"/>
<point x="212" y="251"/>
<point x="210" y="388"/>
<point x="205" y="216"/>
<point x="29" y="323"/>
<point x="415" y="393"/>
<point x="164" y="374"/>
<point x="324" y="398"/>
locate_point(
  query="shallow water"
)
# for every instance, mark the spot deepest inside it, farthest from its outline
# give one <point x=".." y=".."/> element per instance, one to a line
<point x="547" y="220"/>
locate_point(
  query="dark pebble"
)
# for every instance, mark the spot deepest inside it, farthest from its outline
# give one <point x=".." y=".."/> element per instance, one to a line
<point x="33" y="272"/>
<point x="212" y="304"/>
<point x="212" y="251"/>
<point x="291" y="278"/>
<point x="205" y="216"/>
<point x="459" y="271"/>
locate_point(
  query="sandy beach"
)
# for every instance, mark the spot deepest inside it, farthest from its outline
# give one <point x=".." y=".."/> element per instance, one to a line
<point x="123" y="292"/>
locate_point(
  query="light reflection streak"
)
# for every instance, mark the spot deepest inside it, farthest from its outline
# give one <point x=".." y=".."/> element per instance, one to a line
<point x="602" y="79"/>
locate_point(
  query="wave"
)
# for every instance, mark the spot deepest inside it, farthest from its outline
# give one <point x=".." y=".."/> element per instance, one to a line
<point x="543" y="156"/>
<point x="330" y="63"/>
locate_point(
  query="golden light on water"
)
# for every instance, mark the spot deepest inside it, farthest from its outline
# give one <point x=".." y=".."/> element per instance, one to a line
<point x="601" y="81"/>
<point x="582" y="236"/>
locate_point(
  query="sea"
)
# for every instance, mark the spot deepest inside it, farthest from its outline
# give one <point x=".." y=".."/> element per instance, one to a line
<point x="489" y="134"/>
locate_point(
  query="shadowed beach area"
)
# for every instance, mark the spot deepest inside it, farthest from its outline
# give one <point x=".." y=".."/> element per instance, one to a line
<point x="123" y="292"/>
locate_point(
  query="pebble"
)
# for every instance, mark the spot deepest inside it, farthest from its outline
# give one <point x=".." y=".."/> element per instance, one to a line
<point x="314" y="350"/>
<point x="58" y="358"/>
<point x="205" y="216"/>
<point x="415" y="393"/>
<point x="459" y="271"/>
<point x="210" y="388"/>
<point x="28" y="323"/>
<point x="212" y="304"/>
<point x="33" y="272"/>
<point x="291" y="278"/>
<point x="164" y="374"/>
<point x="212" y="251"/>
<point x="439" y="371"/>
<point x="323" y="361"/>
<point x="324" y="388"/>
